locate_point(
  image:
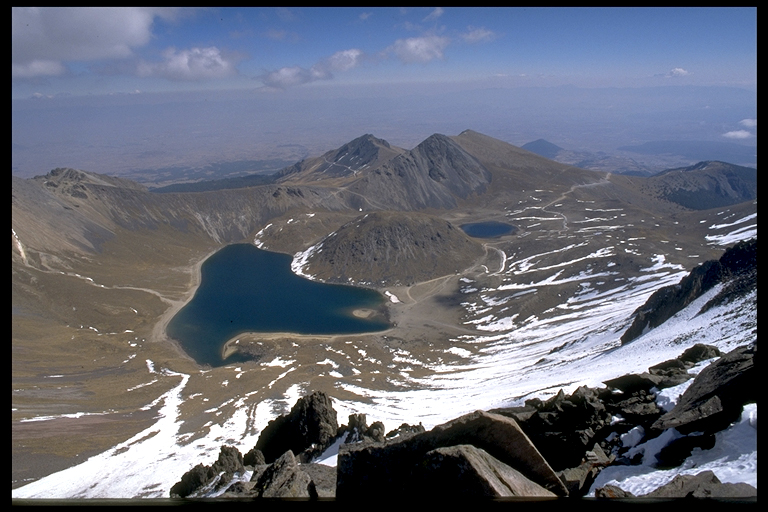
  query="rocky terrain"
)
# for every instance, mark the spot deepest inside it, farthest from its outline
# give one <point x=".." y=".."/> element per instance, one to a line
<point x="551" y="449"/>
<point x="100" y="265"/>
<point x="391" y="249"/>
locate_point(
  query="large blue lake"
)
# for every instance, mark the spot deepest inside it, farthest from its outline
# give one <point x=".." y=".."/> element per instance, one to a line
<point x="246" y="289"/>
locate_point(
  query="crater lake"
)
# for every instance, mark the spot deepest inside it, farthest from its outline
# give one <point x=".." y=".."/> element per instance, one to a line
<point x="247" y="289"/>
<point x="489" y="229"/>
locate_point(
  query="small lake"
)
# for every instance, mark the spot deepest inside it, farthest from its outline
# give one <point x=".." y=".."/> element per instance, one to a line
<point x="246" y="289"/>
<point x="490" y="229"/>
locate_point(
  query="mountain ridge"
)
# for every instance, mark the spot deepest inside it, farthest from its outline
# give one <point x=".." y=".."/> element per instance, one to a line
<point x="100" y="267"/>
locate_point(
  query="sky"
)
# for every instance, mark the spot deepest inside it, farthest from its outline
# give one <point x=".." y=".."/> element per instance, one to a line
<point x="82" y="51"/>
<point x="322" y="76"/>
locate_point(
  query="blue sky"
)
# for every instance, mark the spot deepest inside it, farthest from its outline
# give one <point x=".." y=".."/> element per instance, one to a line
<point x="125" y="50"/>
<point x="115" y="89"/>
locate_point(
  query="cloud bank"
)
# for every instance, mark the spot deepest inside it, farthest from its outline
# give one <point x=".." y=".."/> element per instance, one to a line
<point x="43" y="39"/>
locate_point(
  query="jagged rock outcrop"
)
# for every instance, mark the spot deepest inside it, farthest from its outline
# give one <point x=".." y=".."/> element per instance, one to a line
<point x="737" y="265"/>
<point x="701" y="485"/>
<point x="307" y="430"/>
<point x="717" y="394"/>
<point x="388" y="248"/>
<point x="379" y="469"/>
<point x="406" y="430"/>
<point x="284" y="479"/>
<point x="358" y="430"/>
<point x="216" y="476"/>
<point x="563" y="428"/>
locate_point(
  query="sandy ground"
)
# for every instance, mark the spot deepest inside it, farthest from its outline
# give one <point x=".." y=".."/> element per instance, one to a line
<point x="425" y="314"/>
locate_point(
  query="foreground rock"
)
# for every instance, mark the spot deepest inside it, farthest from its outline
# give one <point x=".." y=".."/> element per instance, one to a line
<point x="717" y="395"/>
<point x="202" y="479"/>
<point x="306" y="431"/>
<point x="465" y="471"/>
<point x="378" y="469"/>
<point x="284" y="479"/>
<point x="546" y="448"/>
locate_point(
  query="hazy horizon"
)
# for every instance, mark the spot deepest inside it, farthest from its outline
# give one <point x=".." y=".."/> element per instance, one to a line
<point x="110" y="90"/>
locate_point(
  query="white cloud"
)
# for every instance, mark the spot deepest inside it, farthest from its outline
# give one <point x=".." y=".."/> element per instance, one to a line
<point x="678" y="72"/>
<point x="419" y="49"/>
<point x="290" y="76"/>
<point x="365" y="15"/>
<point x="436" y="13"/>
<point x="738" y="134"/>
<point x="749" y="123"/>
<point x="287" y="77"/>
<point x="478" y="35"/>
<point x="44" y="38"/>
<point x="192" y="64"/>
<point x="37" y="68"/>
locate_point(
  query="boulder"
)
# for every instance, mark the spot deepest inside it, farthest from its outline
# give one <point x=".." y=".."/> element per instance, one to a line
<point x="323" y="477"/>
<point x="192" y="480"/>
<point x="377" y="469"/>
<point x="465" y="471"/>
<point x="612" y="491"/>
<point x="219" y="474"/>
<point x="307" y="430"/>
<point x="715" y="398"/>
<point x="284" y="479"/>
<point x="579" y="480"/>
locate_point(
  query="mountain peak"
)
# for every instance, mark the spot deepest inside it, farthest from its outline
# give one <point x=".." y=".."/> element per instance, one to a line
<point x="364" y="152"/>
<point x="543" y="148"/>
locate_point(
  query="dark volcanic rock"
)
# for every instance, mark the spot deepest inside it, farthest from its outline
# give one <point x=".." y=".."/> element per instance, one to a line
<point x="667" y="301"/>
<point x="406" y="430"/>
<point x="285" y="479"/>
<point x="579" y="480"/>
<point x="307" y="430"/>
<point x="229" y="463"/>
<point x="192" y="480"/>
<point x="381" y="469"/>
<point x="358" y="430"/>
<point x="612" y="491"/>
<point x="564" y="427"/>
<point x="717" y="395"/>
<point x="254" y="457"/>
<point x="465" y="471"/>
<point x="702" y="485"/>
<point x="738" y="267"/>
